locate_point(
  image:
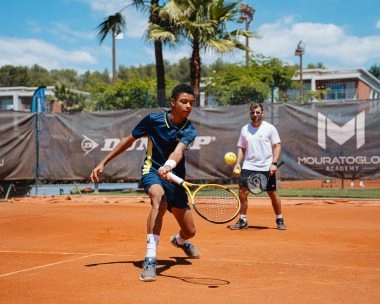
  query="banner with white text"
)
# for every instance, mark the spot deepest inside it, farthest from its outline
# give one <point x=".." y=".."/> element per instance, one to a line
<point x="319" y="141"/>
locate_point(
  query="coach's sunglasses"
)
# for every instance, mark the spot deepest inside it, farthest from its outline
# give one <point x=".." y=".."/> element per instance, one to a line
<point x="256" y="112"/>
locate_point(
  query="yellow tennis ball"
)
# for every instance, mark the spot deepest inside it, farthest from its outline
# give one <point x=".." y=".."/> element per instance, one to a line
<point x="230" y="158"/>
<point x="237" y="171"/>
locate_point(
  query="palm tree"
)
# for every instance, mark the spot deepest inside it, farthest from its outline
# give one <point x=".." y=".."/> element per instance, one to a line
<point x="114" y="24"/>
<point x="202" y="24"/>
<point x="154" y="18"/>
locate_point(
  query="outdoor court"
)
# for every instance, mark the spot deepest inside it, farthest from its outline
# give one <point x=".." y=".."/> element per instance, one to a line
<point x="89" y="249"/>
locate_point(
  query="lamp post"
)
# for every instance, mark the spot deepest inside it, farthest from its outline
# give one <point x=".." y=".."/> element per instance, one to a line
<point x="246" y="14"/>
<point x="300" y="50"/>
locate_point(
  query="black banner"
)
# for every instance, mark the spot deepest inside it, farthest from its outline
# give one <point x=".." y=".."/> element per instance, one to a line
<point x="319" y="140"/>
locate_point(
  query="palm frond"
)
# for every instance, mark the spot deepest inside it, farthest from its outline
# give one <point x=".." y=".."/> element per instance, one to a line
<point x="159" y="33"/>
<point x="114" y="24"/>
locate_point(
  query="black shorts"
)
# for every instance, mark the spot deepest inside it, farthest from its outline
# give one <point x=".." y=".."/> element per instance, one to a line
<point x="271" y="185"/>
<point x="176" y="195"/>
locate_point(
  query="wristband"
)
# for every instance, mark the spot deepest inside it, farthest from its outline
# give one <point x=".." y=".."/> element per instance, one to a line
<point x="274" y="163"/>
<point x="171" y="163"/>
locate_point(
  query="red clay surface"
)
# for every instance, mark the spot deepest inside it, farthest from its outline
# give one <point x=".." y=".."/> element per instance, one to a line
<point x="89" y="249"/>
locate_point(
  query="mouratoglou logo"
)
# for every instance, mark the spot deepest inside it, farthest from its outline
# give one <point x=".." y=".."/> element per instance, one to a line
<point x="340" y="134"/>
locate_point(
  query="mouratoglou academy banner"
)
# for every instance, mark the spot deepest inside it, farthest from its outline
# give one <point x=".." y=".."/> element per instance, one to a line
<point x="319" y="141"/>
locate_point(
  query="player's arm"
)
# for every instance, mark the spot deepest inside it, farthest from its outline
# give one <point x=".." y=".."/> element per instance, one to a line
<point x="174" y="158"/>
<point x="123" y="145"/>
<point x="276" y="150"/>
<point x="239" y="159"/>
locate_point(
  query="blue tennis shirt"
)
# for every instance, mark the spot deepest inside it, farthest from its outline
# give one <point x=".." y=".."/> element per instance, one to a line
<point x="163" y="136"/>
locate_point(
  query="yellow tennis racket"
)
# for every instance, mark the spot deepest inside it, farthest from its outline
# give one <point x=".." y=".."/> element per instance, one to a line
<point x="215" y="203"/>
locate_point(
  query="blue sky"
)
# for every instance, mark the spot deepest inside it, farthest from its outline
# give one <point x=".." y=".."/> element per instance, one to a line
<point x="61" y="34"/>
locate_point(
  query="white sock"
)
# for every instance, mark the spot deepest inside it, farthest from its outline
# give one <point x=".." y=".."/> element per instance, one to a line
<point x="243" y="217"/>
<point x="278" y="216"/>
<point x="152" y="241"/>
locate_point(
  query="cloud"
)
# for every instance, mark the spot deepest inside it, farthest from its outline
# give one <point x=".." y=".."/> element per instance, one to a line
<point x="108" y="7"/>
<point x="65" y="33"/>
<point x="136" y="21"/>
<point x="27" y="52"/>
<point x="325" y="43"/>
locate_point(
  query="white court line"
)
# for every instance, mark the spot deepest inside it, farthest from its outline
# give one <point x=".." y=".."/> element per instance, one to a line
<point x="47" y="252"/>
<point x="215" y="260"/>
<point x="60" y="252"/>
<point x="47" y="265"/>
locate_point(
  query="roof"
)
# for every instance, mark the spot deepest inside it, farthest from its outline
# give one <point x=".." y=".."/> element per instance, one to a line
<point x="359" y="73"/>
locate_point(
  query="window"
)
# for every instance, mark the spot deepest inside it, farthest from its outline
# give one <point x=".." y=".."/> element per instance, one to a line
<point x="341" y="90"/>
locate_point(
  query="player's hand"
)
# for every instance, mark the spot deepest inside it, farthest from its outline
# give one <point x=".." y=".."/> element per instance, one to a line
<point x="95" y="174"/>
<point x="237" y="170"/>
<point x="273" y="169"/>
<point x="163" y="171"/>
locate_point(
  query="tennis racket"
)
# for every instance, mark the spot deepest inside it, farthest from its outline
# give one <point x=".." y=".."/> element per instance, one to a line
<point x="257" y="182"/>
<point x="214" y="203"/>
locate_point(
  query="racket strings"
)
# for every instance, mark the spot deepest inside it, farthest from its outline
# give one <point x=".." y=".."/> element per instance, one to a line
<point x="257" y="182"/>
<point x="216" y="203"/>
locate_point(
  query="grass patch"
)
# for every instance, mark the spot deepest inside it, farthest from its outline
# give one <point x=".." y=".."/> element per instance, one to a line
<point x="284" y="192"/>
<point x="330" y="192"/>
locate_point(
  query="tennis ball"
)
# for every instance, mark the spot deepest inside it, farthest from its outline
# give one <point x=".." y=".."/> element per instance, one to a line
<point x="237" y="171"/>
<point x="230" y="158"/>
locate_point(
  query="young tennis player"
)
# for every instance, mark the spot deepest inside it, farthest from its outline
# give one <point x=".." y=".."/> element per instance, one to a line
<point x="169" y="136"/>
<point x="259" y="147"/>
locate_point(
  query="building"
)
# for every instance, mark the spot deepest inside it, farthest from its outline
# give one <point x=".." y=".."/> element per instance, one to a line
<point x="336" y="85"/>
<point x="20" y="99"/>
<point x="318" y="85"/>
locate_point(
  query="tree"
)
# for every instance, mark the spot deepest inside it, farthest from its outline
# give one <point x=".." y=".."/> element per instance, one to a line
<point x="375" y="71"/>
<point x="114" y="24"/>
<point x="155" y="18"/>
<point x="202" y="24"/>
<point x="39" y="76"/>
<point x="68" y="77"/>
<point x="11" y="76"/>
<point x="179" y="71"/>
<point x="90" y="79"/>
<point x="73" y="101"/>
<point x="241" y="85"/>
<point x="318" y="65"/>
<point x="234" y="86"/>
<point x="274" y="72"/>
<point x="139" y="91"/>
<point x="160" y="67"/>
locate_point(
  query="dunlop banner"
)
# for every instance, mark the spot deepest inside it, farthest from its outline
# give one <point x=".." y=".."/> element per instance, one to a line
<point x="17" y="145"/>
<point x="319" y="140"/>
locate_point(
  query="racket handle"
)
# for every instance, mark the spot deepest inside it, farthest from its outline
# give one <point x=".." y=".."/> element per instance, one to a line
<point x="175" y="178"/>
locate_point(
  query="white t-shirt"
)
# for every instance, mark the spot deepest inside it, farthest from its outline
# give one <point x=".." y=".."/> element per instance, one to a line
<point x="258" y="143"/>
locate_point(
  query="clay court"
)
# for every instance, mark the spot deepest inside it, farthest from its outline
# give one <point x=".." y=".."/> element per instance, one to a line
<point x="89" y="249"/>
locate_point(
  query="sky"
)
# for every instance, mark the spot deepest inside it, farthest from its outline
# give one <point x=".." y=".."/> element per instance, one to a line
<point x="61" y="34"/>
